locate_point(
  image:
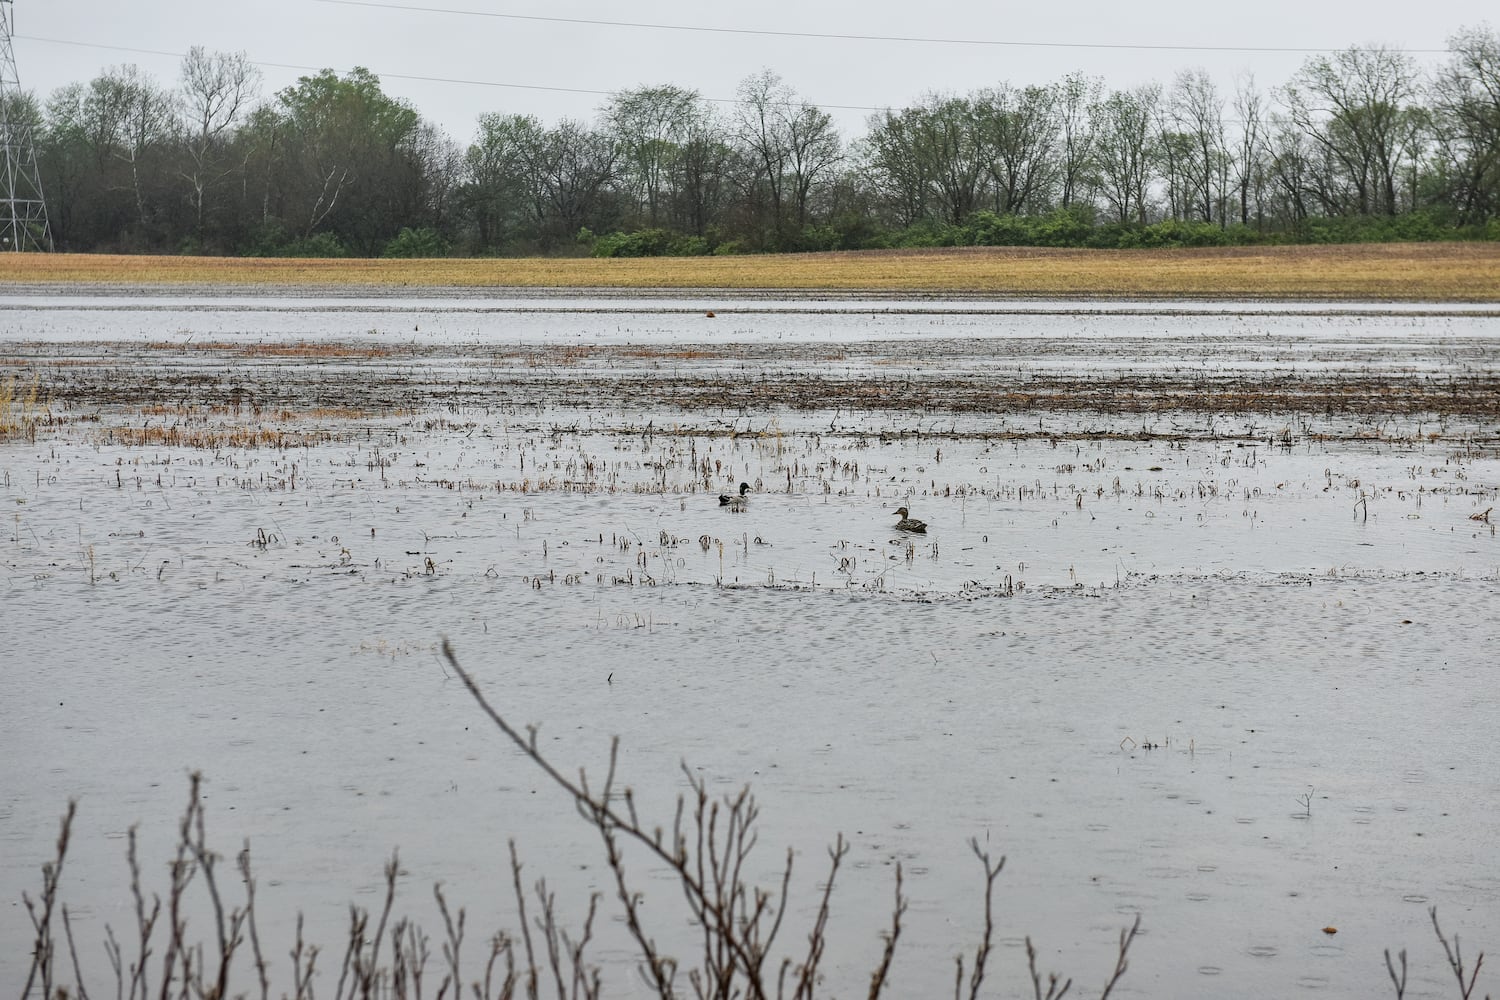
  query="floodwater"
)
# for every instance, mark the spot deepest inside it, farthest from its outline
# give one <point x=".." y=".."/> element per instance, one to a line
<point x="1201" y="629"/>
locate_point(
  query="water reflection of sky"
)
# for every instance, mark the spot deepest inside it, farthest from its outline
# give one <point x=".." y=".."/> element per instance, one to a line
<point x="459" y="321"/>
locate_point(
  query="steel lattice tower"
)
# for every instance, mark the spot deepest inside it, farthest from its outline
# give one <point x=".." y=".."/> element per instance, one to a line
<point x="23" y="211"/>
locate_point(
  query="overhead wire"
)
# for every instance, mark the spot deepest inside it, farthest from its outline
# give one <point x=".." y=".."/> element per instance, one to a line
<point x="843" y="36"/>
<point x="419" y="78"/>
<point x="461" y="81"/>
<point x="317" y="69"/>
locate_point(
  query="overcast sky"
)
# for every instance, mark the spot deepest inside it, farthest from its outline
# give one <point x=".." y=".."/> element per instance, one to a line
<point x="481" y="62"/>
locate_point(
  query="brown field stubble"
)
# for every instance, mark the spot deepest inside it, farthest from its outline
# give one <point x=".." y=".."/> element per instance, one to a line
<point x="1457" y="272"/>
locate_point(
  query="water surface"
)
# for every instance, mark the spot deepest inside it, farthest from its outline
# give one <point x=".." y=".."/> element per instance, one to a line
<point x="1225" y="667"/>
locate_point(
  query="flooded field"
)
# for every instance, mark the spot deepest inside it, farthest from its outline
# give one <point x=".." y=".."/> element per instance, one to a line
<point x="1201" y="628"/>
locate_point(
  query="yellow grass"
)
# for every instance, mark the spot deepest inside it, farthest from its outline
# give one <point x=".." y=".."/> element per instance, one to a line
<point x="20" y="405"/>
<point x="1459" y="272"/>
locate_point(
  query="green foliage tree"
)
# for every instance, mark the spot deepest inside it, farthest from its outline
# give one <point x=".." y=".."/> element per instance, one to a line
<point x="107" y="149"/>
<point x="952" y="146"/>
<point x="342" y="162"/>
<point x="412" y="243"/>
<point x="1018" y="130"/>
<point x="895" y="158"/>
<point x="650" y="126"/>
<point x="1075" y="96"/>
<point x="499" y="193"/>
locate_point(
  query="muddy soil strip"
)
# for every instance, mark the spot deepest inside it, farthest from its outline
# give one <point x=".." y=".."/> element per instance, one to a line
<point x="947" y="377"/>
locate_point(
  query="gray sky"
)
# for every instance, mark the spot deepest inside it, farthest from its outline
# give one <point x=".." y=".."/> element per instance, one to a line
<point x="62" y="41"/>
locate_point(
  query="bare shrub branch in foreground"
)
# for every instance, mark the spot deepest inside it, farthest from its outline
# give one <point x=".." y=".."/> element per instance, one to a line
<point x="1455" y="958"/>
<point x="707" y="847"/>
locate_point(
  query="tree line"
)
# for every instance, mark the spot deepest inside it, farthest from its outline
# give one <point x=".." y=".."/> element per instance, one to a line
<point x="1359" y="144"/>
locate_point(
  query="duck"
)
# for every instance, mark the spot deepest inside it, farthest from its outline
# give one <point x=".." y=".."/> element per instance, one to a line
<point x="909" y="523"/>
<point x="735" y="502"/>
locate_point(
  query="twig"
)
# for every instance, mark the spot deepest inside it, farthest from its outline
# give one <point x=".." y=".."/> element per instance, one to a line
<point x="1126" y="939"/>
<point x="877" y="980"/>
<point x="358" y="921"/>
<point x="532" y="976"/>
<point x="1398" y="982"/>
<point x="817" y="940"/>
<point x="145" y="922"/>
<point x="1456" y="958"/>
<point x="42" y="950"/>
<point x="83" y="993"/>
<point x="182" y="870"/>
<point x="371" y="965"/>
<point x="587" y="981"/>
<point x="260" y="960"/>
<point x="455" y="940"/>
<point x="229" y="929"/>
<point x="982" y="952"/>
<point x="302" y="973"/>
<point x="1053" y="991"/>
<point x="739" y="924"/>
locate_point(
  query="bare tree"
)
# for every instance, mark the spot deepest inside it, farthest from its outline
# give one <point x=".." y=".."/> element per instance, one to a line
<point x="1193" y="117"/>
<point x="215" y="91"/>
<point x="792" y="145"/>
<point x="1123" y="149"/>
<point x="815" y="148"/>
<point x="701" y="172"/>
<point x="1465" y="101"/>
<point x="1076" y="97"/>
<point x="572" y="166"/>
<point x="1357" y="108"/>
<point x="760" y="131"/>
<point x="1291" y="167"/>
<point x="431" y="175"/>
<point x="1246" y="157"/>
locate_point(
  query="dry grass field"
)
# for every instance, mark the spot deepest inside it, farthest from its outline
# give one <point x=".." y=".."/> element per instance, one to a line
<point x="1455" y="272"/>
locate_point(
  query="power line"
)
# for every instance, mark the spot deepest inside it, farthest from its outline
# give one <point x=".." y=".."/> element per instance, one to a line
<point x="411" y="76"/>
<point x="840" y="36"/>
<point x="23" y="208"/>
<point x="497" y="84"/>
<point x="318" y="69"/>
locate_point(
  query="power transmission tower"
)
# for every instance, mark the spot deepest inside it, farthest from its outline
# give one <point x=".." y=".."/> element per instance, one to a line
<point x="23" y="211"/>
